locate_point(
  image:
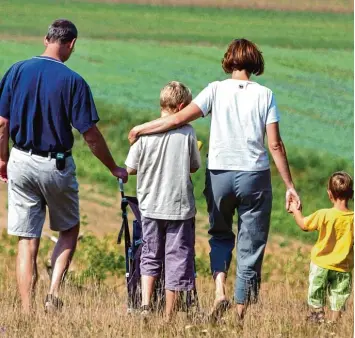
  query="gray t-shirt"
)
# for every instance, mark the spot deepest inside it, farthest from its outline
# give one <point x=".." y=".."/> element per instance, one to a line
<point x="240" y="112"/>
<point x="163" y="163"/>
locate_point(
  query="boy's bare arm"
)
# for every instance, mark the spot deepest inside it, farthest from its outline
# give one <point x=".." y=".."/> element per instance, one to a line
<point x="297" y="214"/>
<point x="131" y="171"/>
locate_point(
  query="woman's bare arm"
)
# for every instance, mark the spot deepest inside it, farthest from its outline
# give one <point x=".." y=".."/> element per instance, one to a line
<point x="186" y="115"/>
<point x="278" y="153"/>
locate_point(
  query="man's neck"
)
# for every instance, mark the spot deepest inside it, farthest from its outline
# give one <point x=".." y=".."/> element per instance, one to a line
<point x="53" y="52"/>
<point x="341" y="205"/>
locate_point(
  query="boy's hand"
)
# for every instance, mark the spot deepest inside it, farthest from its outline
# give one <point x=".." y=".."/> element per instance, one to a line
<point x="199" y="145"/>
<point x="293" y="207"/>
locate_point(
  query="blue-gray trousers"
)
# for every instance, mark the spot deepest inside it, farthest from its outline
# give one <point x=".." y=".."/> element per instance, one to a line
<point x="250" y="193"/>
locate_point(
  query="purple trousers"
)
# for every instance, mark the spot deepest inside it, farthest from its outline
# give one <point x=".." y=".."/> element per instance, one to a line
<point x="171" y="243"/>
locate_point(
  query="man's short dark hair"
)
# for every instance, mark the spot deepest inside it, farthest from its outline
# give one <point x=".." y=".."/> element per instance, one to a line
<point x="62" y="31"/>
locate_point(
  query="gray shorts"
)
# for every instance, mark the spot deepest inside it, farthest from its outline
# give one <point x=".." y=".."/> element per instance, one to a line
<point x="34" y="183"/>
<point x="171" y="242"/>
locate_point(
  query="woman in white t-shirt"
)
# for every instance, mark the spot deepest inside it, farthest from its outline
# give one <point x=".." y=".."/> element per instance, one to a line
<point x="238" y="171"/>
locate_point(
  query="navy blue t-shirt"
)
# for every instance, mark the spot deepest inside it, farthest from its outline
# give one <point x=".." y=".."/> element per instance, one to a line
<point x="43" y="99"/>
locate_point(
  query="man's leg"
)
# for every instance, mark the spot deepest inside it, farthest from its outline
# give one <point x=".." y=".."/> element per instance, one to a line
<point x="61" y="257"/>
<point x="61" y="192"/>
<point x="26" y="270"/>
<point x="26" y="215"/>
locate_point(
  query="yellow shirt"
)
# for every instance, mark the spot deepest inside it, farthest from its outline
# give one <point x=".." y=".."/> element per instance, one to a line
<point x="334" y="249"/>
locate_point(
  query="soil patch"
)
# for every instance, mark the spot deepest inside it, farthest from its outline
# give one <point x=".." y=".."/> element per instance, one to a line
<point x="340" y="6"/>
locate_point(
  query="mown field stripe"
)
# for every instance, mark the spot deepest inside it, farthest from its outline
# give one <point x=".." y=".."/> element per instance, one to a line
<point x="180" y="24"/>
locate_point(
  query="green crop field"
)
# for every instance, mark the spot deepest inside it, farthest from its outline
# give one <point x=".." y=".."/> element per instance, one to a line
<point x="128" y="52"/>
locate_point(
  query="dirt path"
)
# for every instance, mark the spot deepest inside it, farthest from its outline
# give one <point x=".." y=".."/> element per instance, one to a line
<point x="101" y="215"/>
<point x="340" y="6"/>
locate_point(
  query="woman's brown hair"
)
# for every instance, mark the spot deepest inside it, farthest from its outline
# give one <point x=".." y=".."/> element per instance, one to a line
<point x="243" y="54"/>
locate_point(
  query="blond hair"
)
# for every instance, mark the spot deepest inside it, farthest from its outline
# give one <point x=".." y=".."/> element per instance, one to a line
<point x="340" y="185"/>
<point x="174" y="94"/>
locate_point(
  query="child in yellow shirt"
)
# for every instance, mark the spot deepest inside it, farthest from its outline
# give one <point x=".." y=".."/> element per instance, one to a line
<point x="332" y="257"/>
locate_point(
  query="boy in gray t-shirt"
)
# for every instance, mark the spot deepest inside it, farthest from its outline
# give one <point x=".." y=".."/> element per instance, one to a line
<point x="163" y="164"/>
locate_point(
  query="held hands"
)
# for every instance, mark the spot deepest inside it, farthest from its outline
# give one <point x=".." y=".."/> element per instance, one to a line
<point x="293" y="207"/>
<point x="293" y="201"/>
<point x="120" y="173"/>
<point x="3" y="171"/>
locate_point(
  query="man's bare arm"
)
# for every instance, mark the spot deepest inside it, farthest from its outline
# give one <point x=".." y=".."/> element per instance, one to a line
<point x="99" y="148"/>
<point x="4" y="148"/>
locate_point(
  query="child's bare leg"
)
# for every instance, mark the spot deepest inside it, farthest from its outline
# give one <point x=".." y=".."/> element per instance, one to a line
<point x="147" y="289"/>
<point x="170" y="296"/>
<point x="335" y="316"/>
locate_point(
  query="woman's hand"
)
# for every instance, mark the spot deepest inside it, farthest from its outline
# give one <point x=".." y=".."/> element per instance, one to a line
<point x="133" y="135"/>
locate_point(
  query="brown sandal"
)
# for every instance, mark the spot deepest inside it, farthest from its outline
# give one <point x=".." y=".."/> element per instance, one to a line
<point x="316" y="317"/>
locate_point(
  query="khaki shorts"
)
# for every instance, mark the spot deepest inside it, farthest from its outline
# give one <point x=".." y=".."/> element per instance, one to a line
<point x="34" y="183"/>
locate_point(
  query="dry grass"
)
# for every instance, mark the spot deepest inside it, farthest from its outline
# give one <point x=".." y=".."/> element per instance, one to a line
<point x="340" y="6"/>
<point x="96" y="310"/>
<point x="93" y="310"/>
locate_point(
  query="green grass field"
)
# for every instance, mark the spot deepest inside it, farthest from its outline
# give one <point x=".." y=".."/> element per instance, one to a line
<point x="128" y="52"/>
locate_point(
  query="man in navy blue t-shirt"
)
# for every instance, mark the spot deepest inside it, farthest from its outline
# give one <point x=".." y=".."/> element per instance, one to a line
<point x="41" y="99"/>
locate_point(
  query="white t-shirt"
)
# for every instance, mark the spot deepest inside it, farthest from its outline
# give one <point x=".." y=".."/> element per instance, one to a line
<point x="240" y="112"/>
<point x="163" y="162"/>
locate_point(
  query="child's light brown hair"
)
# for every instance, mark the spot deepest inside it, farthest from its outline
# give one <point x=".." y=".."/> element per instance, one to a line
<point x="243" y="54"/>
<point x="173" y="95"/>
<point x="340" y="185"/>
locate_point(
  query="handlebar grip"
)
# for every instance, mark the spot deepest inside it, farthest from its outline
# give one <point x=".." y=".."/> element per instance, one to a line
<point x="120" y="183"/>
